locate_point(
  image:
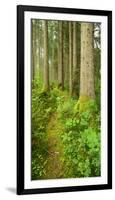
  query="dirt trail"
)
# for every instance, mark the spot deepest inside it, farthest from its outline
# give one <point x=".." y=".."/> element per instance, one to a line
<point x="54" y="168"/>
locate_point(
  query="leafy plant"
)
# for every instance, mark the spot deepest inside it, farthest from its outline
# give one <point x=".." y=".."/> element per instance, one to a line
<point x="81" y="141"/>
<point x="43" y="105"/>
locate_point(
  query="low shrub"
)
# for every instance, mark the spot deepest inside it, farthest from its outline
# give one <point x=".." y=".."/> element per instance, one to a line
<point x="81" y="142"/>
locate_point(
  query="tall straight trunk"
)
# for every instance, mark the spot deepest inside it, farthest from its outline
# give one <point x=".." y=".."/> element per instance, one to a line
<point x="87" y="90"/>
<point x="66" y="69"/>
<point x="39" y="58"/>
<point x="60" y="52"/>
<point x="75" y="82"/>
<point x="53" y="65"/>
<point x="33" y="43"/>
<point x="46" y="66"/>
<point x="66" y="53"/>
<point x="37" y="46"/>
<point x="70" y="60"/>
<point x="41" y="46"/>
<point x="78" y="57"/>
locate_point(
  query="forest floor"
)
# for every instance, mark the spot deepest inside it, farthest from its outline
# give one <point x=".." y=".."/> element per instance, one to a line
<point x="58" y="128"/>
<point x="54" y="168"/>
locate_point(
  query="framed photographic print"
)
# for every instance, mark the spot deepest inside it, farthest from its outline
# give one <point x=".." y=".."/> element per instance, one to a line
<point x="64" y="99"/>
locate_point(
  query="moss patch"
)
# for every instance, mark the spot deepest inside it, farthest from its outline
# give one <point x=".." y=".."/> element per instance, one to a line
<point x="83" y="103"/>
<point x="54" y="168"/>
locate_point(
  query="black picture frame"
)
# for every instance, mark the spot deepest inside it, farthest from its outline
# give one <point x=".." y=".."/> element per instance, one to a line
<point x="20" y="98"/>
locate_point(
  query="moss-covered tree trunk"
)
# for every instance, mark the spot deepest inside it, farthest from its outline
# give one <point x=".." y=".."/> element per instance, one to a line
<point x="46" y="65"/>
<point x="87" y="90"/>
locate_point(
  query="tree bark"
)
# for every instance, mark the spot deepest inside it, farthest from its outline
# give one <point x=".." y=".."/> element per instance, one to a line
<point x="75" y="82"/>
<point x="33" y="42"/>
<point x="37" y="48"/>
<point x="60" y="52"/>
<point x="46" y="66"/>
<point x="70" y="60"/>
<point x="87" y="62"/>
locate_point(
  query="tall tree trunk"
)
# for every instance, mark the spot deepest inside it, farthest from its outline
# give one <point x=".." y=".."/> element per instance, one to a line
<point x="66" y="53"/>
<point x="46" y="66"/>
<point x="60" y="52"/>
<point x="37" y="47"/>
<point x="87" y="63"/>
<point x="53" y="65"/>
<point x="66" y="69"/>
<point x="33" y="42"/>
<point x="78" y="57"/>
<point x="75" y="82"/>
<point x="70" y="60"/>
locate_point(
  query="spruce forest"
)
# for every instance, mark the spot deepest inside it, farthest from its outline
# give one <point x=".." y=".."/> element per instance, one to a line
<point x="65" y="105"/>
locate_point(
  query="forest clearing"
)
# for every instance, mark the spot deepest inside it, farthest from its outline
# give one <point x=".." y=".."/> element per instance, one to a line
<point x="66" y="90"/>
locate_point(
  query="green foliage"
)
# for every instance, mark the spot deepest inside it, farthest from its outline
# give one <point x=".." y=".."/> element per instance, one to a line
<point x="43" y="105"/>
<point x="80" y="133"/>
<point x="81" y="141"/>
<point x="37" y="83"/>
<point x="65" y="108"/>
<point x="38" y="159"/>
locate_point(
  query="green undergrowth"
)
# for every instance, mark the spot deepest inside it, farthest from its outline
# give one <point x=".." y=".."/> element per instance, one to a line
<point x="81" y="140"/>
<point x="44" y="105"/>
<point x="61" y="131"/>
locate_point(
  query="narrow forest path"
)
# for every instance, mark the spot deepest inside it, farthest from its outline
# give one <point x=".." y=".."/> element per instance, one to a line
<point x="54" y="168"/>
